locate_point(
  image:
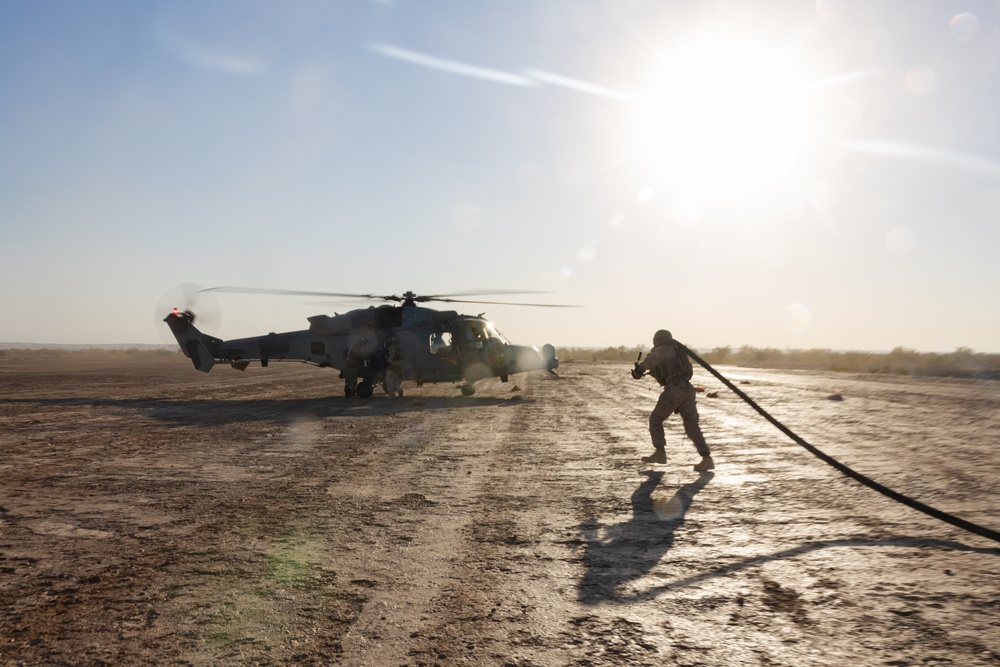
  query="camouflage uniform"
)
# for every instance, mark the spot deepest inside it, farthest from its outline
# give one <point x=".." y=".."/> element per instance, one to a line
<point x="355" y="359"/>
<point x="393" y="370"/>
<point x="671" y="368"/>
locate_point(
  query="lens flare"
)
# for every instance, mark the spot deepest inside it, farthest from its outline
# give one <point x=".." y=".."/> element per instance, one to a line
<point x="964" y="27"/>
<point x="668" y="509"/>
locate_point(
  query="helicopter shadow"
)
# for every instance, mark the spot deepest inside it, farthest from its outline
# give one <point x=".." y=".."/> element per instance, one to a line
<point x="209" y="412"/>
<point x="632" y="548"/>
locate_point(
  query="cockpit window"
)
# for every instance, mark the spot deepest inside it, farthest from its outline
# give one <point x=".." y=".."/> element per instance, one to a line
<point x="440" y="342"/>
<point x="475" y="334"/>
<point x="493" y="333"/>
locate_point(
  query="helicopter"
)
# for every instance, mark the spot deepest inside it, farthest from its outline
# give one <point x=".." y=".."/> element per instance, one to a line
<point x="435" y="345"/>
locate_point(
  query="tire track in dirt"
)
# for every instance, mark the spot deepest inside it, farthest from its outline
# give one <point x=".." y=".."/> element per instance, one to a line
<point x="450" y="460"/>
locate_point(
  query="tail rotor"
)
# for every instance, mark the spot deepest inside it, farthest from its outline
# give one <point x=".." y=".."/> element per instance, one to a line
<point x="189" y="298"/>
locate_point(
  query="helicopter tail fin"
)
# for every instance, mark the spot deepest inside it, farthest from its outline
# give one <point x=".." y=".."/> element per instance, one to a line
<point x="196" y="346"/>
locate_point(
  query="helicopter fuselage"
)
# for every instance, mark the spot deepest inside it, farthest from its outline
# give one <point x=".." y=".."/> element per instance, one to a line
<point x="434" y="346"/>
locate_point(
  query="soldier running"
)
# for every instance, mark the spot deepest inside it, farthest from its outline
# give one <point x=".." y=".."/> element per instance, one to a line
<point x="671" y="367"/>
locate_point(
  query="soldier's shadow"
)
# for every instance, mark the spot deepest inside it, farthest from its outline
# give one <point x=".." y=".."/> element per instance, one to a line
<point x="626" y="551"/>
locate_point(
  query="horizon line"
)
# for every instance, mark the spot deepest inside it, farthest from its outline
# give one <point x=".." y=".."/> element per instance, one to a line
<point x="734" y="348"/>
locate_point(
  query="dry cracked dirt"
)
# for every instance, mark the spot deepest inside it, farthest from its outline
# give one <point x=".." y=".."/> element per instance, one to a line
<point x="150" y="514"/>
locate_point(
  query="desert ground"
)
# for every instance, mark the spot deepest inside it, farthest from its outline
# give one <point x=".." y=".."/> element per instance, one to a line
<point x="151" y="514"/>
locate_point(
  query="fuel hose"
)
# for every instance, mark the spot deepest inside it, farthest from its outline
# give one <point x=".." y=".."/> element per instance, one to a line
<point x="846" y="470"/>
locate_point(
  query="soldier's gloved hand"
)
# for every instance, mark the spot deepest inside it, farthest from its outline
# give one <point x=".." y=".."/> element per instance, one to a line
<point x="637" y="371"/>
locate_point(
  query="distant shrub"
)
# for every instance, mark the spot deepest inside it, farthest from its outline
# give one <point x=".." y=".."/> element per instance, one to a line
<point x="613" y="354"/>
<point x="963" y="362"/>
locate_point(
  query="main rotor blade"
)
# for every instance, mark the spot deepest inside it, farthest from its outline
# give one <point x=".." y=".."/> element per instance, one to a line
<point x="393" y="297"/>
<point x="485" y="292"/>
<point x="286" y="292"/>
<point x="510" y="303"/>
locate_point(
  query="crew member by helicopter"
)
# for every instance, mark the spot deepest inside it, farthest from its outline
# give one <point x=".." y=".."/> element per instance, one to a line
<point x="671" y="367"/>
<point x="355" y="361"/>
<point x="393" y="369"/>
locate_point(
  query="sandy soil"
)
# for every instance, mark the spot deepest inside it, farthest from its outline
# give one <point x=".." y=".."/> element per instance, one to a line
<point x="150" y="514"/>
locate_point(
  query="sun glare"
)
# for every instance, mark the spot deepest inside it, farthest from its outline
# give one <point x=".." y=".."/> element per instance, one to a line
<point x="722" y="118"/>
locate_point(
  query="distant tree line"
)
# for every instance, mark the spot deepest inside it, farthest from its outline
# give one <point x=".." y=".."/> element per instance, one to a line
<point x="90" y="352"/>
<point x="963" y="362"/>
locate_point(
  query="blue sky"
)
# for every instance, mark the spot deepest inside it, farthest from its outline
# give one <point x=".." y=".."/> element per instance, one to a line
<point x="784" y="174"/>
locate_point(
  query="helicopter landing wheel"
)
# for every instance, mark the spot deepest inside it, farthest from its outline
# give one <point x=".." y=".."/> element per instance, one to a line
<point x="468" y="389"/>
<point x="364" y="389"/>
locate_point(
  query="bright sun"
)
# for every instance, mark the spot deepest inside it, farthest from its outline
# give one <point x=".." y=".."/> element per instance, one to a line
<point x="722" y="118"/>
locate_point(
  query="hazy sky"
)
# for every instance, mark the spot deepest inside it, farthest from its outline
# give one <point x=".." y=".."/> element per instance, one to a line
<point x="770" y="173"/>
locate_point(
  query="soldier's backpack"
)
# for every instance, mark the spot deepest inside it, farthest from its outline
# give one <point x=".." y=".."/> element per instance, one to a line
<point x="686" y="370"/>
<point x="677" y="366"/>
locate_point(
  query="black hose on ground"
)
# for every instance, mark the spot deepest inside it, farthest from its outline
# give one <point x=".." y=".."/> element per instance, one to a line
<point x="870" y="483"/>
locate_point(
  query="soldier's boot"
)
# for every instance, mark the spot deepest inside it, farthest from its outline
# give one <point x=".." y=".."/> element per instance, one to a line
<point x="659" y="456"/>
<point x="706" y="464"/>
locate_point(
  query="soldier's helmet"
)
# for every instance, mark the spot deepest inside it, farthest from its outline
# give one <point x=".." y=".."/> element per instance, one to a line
<point x="662" y="337"/>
